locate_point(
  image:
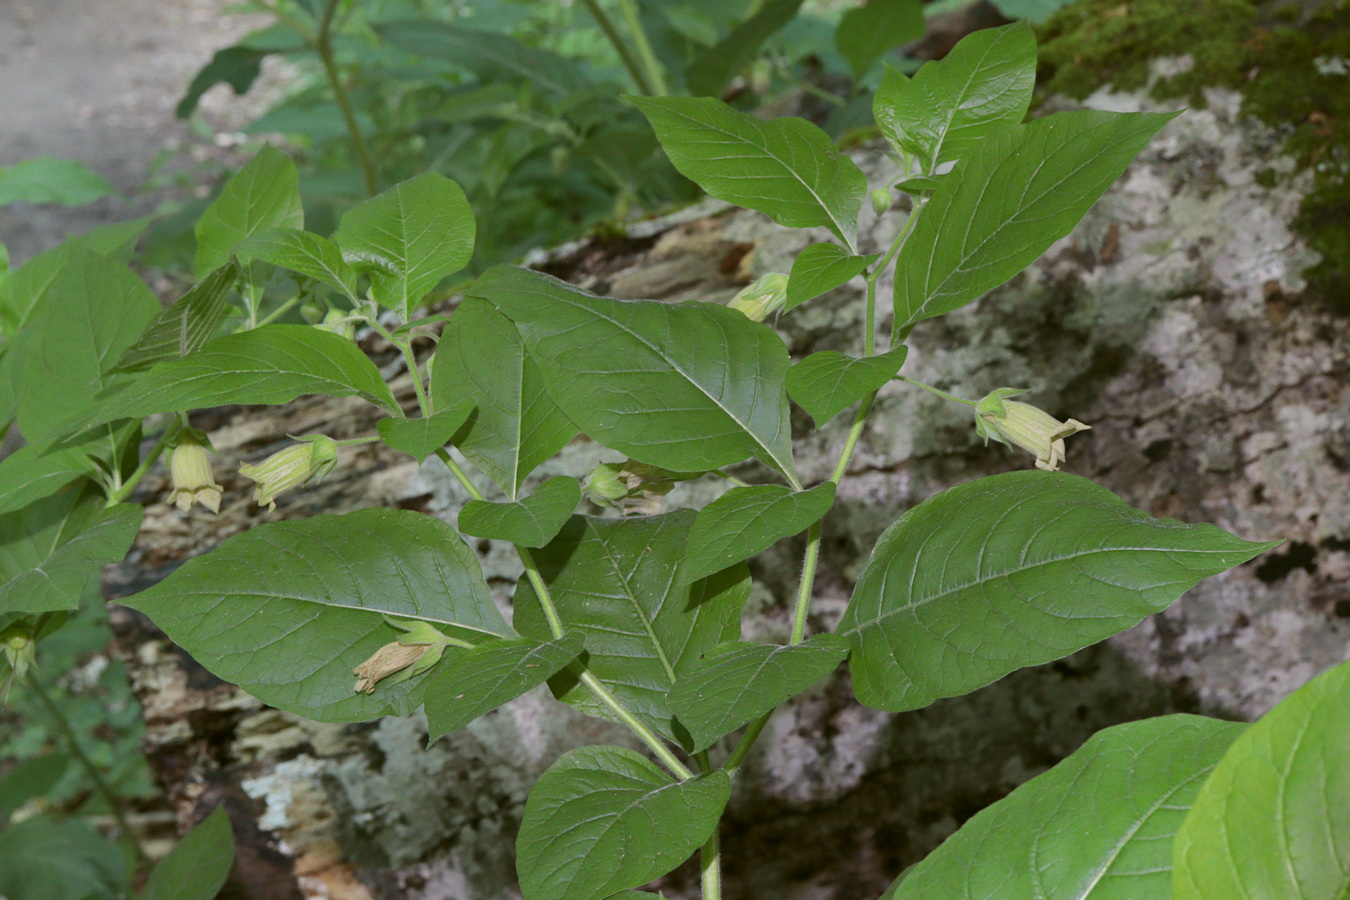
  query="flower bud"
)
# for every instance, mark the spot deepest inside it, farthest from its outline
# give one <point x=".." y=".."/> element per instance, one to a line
<point x="605" y="486"/>
<point x="18" y="644"/>
<point x="1023" y="425"/>
<point x="190" y="472"/>
<point x="763" y="297"/>
<point x="881" y="200"/>
<point x="309" y="460"/>
<point x="312" y="311"/>
<point x="338" y="322"/>
<point x="632" y="487"/>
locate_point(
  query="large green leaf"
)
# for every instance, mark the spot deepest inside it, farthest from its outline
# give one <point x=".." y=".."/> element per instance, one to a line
<point x="423" y="436"/>
<point x="786" y="167"/>
<point x="821" y="268"/>
<point x="29" y="779"/>
<point x="951" y="106"/>
<point x="603" y="819"/>
<point x="492" y="56"/>
<point x="302" y="252"/>
<point x="197" y="866"/>
<point x="409" y="238"/>
<point x="466" y="684"/>
<point x="1024" y="188"/>
<point x="688" y="387"/>
<point x="1098" y="826"/>
<point x="515" y="426"/>
<point x="59" y="859"/>
<point x="866" y="32"/>
<point x="716" y="66"/>
<point x="47" y="180"/>
<point x="264" y="194"/>
<point x="185" y="325"/>
<point x="1273" y="821"/>
<point x="746" y="520"/>
<point x="286" y="610"/>
<point x="271" y="364"/>
<point x="734" y="683"/>
<point x="35" y="471"/>
<point x="1009" y="571"/>
<point x="826" y="383"/>
<point x="50" y="549"/>
<point x="530" y="522"/>
<point x="94" y="309"/>
<point x="616" y="582"/>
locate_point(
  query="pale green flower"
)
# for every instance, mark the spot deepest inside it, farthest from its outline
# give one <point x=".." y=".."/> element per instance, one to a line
<point x="190" y="472"/>
<point x="309" y="460"/>
<point x="763" y="297"/>
<point x="1023" y="425"/>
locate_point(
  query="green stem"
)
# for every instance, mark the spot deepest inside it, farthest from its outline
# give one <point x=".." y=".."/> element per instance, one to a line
<point x="644" y="48"/>
<point x="279" y="311"/>
<point x="124" y="491"/>
<point x="805" y="586"/>
<point x="933" y="390"/>
<point x="710" y="863"/>
<point x="630" y="62"/>
<point x="100" y="785"/>
<point x="323" y="46"/>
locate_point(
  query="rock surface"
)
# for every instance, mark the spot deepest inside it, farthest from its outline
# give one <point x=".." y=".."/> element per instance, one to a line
<point x="1170" y="320"/>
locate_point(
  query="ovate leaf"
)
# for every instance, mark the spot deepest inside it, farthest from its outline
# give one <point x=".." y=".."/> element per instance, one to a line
<point x="264" y="194"/>
<point x="821" y="268"/>
<point x="28" y="779"/>
<point x="198" y="865"/>
<point x="492" y="56"/>
<point x="1024" y="188"/>
<point x="50" y="549"/>
<point x="616" y="582"/>
<point x="237" y="66"/>
<point x="826" y="383"/>
<point x="786" y="167"/>
<point x="515" y="425"/>
<point x="304" y="253"/>
<point x="950" y="106"/>
<point x="409" y="238"/>
<point x="1274" y="818"/>
<point x="36" y="471"/>
<point x="688" y="387"/>
<point x="603" y="819"/>
<point x="421" y="437"/>
<point x="286" y="610"/>
<point x="866" y="32"/>
<point x="469" y="683"/>
<point x="531" y="522"/>
<point x="47" y="180"/>
<point x="716" y="66"/>
<point x="59" y="859"/>
<point x="746" y="520"/>
<point x="1009" y="571"/>
<point x="734" y="683"/>
<point x="1098" y="826"/>
<point x="185" y="325"/>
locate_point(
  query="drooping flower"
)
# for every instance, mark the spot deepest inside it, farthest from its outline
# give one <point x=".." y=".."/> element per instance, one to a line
<point x="190" y="472"/>
<point x="418" y="649"/>
<point x="763" y="297"/>
<point x="309" y="460"/>
<point x="1023" y="425"/>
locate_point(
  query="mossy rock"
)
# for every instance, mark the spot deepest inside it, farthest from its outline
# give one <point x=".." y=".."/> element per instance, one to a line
<point x="1290" y="61"/>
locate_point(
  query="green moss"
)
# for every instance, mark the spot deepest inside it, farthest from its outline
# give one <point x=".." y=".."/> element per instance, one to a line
<point x="1287" y="60"/>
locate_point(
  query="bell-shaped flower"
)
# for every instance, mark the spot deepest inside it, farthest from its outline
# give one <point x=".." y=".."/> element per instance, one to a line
<point x="418" y="649"/>
<point x="1023" y="425"/>
<point x="763" y="297"/>
<point x="190" y="472"/>
<point x="309" y="460"/>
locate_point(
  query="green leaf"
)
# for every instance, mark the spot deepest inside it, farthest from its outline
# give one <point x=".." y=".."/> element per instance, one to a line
<point x="466" y="684"/>
<point x="302" y="252"/>
<point x="1009" y="571"/>
<point x="264" y="194"/>
<point x="602" y="819"/>
<point x="421" y="437"/>
<point x="1034" y="11"/>
<point x="272" y="364"/>
<point x="493" y="57"/>
<point x="1026" y="187"/>
<point x="50" y="549"/>
<point x="286" y="610"/>
<point x="746" y="520"/>
<point x="531" y="522"/>
<point x="36" y="471"/>
<point x="716" y="66"/>
<point x="735" y="683"/>
<point x="826" y="383"/>
<point x="28" y="779"/>
<point x="48" y="180"/>
<point x="951" y="106"/>
<point x="616" y="583"/>
<point x="866" y="32"/>
<point x="59" y="859"/>
<point x="821" y="268"/>
<point x="786" y="167"/>
<point x="185" y="325"/>
<point x="515" y="426"/>
<point x="197" y="866"/>
<point x="1274" y="818"/>
<point x="409" y="238"/>
<point x="236" y="66"/>
<point x="688" y="387"/>
<point x="94" y="309"/>
<point x="1099" y="825"/>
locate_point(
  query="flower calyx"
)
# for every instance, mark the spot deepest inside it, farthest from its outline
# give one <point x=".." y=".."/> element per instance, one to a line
<point x="310" y="459"/>
<point x="418" y="649"/>
<point x="1022" y="425"/>
<point x="762" y="297"/>
<point x="634" y="488"/>
<point x="190" y="472"/>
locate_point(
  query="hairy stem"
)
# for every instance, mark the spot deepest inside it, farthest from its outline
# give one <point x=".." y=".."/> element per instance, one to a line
<point x="630" y="62"/>
<point x="323" y="46"/>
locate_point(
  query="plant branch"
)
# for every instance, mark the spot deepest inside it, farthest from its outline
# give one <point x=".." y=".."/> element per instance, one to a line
<point x="323" y="46"/>
<point x="124" y="491"/>
<point x="644" y="48"/>
<point x="933" y="390"/>
<point x="630" y="62"/>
